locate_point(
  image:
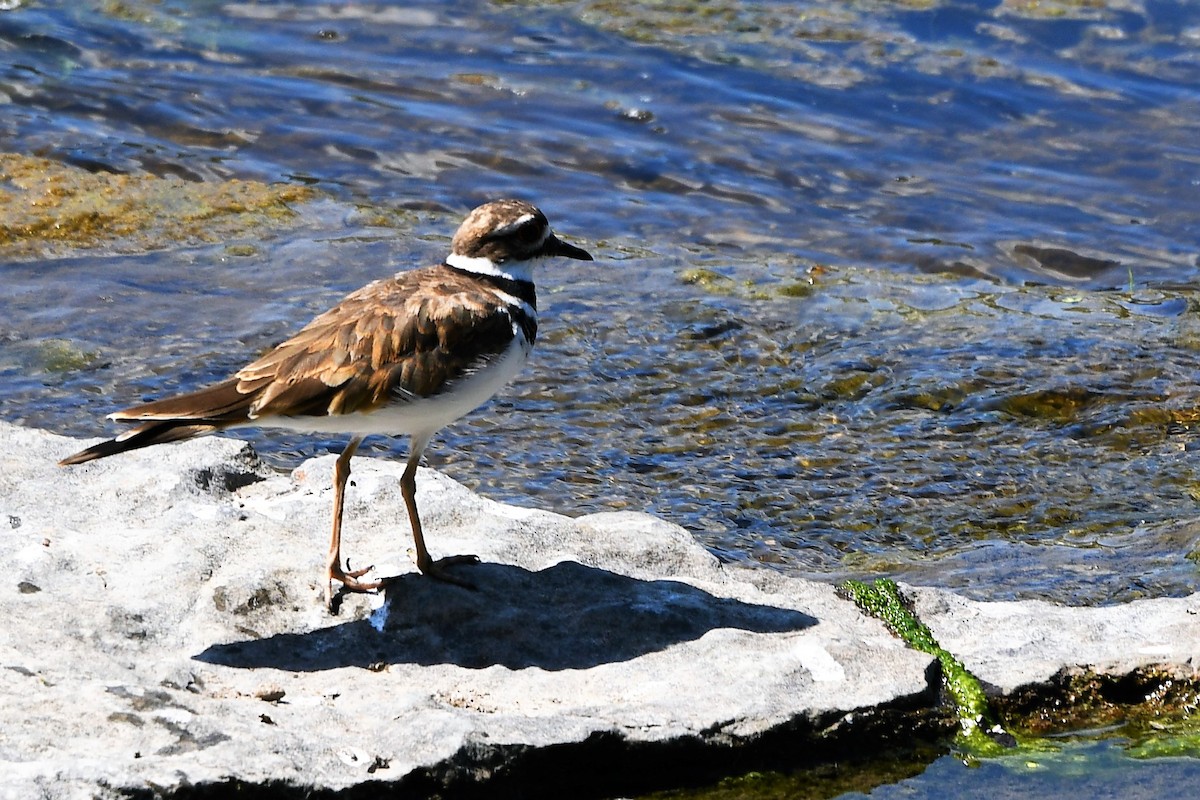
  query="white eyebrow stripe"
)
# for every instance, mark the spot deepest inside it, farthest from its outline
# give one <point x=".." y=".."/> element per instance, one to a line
<point x="512" y="226"/>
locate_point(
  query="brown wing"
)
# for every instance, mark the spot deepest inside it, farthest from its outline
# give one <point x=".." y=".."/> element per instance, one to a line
<point x="409" y="336"/>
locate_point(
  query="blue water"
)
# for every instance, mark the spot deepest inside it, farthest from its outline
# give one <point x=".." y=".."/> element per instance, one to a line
<point x="1095" y="769"/>
<point x="882" y="288"/>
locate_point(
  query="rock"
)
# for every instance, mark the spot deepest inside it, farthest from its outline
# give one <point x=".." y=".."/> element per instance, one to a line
<point x="165" y="629"/>
<point x="165" y="634"/>
<point x="1014" y="644"/>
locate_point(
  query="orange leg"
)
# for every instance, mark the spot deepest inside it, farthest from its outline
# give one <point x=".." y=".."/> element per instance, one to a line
<point x="349" y="579"/>
<point x="408" y="488"/>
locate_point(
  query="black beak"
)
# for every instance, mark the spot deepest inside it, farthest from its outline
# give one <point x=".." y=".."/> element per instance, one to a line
<point x="557" y="247"/>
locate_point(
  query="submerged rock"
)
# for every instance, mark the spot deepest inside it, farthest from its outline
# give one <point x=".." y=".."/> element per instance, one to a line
<point x="49" y="208"/>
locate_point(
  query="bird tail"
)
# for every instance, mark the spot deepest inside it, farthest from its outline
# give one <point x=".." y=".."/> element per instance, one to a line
<point x="141" y="436"/>
<point x="173" y="420"/>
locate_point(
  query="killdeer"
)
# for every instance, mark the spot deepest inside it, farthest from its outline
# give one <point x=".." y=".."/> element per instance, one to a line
<point x="404" y="355"/>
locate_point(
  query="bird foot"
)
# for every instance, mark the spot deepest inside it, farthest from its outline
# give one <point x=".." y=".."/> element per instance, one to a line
<point x="437" y="569"/>
<point x="350" y="583"/>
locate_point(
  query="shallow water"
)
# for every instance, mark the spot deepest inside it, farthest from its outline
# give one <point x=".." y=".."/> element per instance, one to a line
<point x="1087" y="768"/>
<point x="902" y="288"/>
<point x="1091" y="765"/>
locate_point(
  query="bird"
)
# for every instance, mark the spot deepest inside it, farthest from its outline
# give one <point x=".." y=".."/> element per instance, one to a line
<point x="405" y="355"/>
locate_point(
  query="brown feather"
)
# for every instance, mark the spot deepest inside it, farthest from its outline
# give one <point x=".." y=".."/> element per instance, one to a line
<point x="141" y="436"/>
<point x="406" y="337"/>
<point x="226" y="402"/>
<point x="396" y="338"/>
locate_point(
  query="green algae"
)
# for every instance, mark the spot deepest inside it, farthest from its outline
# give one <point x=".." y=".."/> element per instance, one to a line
<point x="51" y="209"/>
<point x="817" y="782"/>
<point x="131" y="12"/>
<point x="61" y="355"/>
<point x="980" y="731"/>
<point x="1167" y="739"/>
<point x="1153" y="708"/>
<point x="1052" y="405"/>
<point x="1061" y="9"/>
<point x="709" y="280"/>
<point x="797" y="289"/>
<point x="242" y="250"/>
<point x="1118" y="721"/>
<point x="853" y="385"/>
<point x="716" y="283"/>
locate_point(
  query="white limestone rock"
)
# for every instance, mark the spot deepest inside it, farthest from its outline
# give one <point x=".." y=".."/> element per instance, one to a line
<point x="165" y="627"/>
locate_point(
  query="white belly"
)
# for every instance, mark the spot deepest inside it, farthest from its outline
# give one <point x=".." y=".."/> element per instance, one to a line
<point x="421" y="416"/>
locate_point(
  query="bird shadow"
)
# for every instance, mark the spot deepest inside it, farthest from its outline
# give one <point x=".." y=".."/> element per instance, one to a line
<point x="567" y="616"/>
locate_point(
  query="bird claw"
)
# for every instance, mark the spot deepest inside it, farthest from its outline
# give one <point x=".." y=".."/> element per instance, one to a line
<point x="437" y="569"/>
<point x="358" y="573"/>
<point x="350" y="583"/>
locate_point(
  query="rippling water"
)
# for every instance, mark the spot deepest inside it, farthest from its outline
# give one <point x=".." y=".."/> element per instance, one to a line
<point x="900" y="288"/>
